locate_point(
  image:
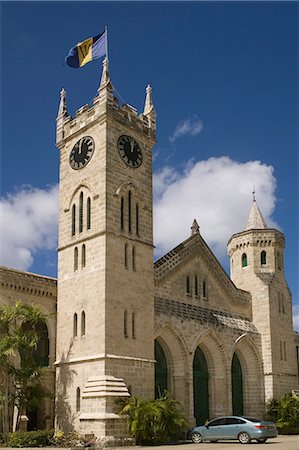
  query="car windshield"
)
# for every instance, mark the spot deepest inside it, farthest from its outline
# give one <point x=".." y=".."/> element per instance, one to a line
<point x="251" y="419"/>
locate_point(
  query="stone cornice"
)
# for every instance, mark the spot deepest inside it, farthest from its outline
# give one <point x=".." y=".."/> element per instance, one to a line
<point x="28" y="282"/>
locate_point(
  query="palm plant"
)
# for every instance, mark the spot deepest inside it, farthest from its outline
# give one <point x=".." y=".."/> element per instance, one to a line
<point x="20" y="374"/>
<point x="285" y="413"/>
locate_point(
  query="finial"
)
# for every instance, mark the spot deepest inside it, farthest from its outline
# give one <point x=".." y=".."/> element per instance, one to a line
<point x="105" y="80"/>
<point x="148" y="106"/>
<point x="62" y="110"/>
<point x="194" y="228"/>
<point x="253" y="194"/>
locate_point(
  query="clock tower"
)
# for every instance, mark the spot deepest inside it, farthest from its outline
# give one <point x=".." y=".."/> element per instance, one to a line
<point x="105" y="306"/>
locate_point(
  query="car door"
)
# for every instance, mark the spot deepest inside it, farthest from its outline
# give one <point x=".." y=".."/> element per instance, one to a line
<point x="232" y="427"/>
<point x="214" y="429"/>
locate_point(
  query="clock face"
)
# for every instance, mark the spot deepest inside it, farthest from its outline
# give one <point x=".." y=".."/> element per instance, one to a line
<point x="129" y="150"/>
<point x="81" y="153"/>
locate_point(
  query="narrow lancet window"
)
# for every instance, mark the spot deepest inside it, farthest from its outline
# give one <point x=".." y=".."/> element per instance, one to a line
<point x="204" y="289"/>
<point x="122" y="213"/>
<point x="83" y="256"/>
<point x="83" y="323"/>
<point x="126" y="256"/>
<point x="188" y="290"/>
<point x="133" y="326"/>
<point x="129" y="211"/>
<point x="263" y="258"/>
<point x="137" y="219"/>
<point x="81" y="212"/>
<point x="133" y="258"/>
<point x="75" y="325"/>
<point x="78" y="399"/>
<point x="88" y="217"/>
<point x="73" y="220"/>
<point x="125" y="324"/>
<point x="244" y="260"/>
<point x="195" y="285"/>
<point x="75" y="259"/>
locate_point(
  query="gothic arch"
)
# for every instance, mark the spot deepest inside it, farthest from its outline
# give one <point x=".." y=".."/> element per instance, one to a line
<point x="126" y="186"/>
<point x="252" y="372"/>
<point x="83" y="186"/>
<point x="175" y="350"/>
<point x="218" y="368"/>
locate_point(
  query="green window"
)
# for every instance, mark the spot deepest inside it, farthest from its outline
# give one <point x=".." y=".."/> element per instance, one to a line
<point x="263" y="258"/>
<point x="200" y="387"/>
<point x="161" y="371"/>
<point x="244" y="260"/>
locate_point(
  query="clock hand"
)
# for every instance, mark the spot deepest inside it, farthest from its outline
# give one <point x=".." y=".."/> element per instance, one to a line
<point x="132" y="145"/>
<point x="80" y="147"/>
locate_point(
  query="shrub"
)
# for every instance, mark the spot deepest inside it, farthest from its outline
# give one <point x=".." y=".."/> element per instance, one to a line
<point x="30" y="438"/>
<point x="70" y="439"/>
<point x="285" y="413"/>
<point x="154" y="421"/>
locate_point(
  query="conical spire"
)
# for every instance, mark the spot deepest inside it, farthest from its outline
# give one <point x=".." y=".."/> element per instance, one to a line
<point x="194" y="228"/>
<point x="255" y="219"/>
<point x="62" y="110"/>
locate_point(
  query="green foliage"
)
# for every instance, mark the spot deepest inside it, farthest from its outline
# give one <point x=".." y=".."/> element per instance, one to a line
<point x="285" y="413"/>
<point x="20" y="373"/>
<point x="30" y="439"/>
<point x="70" y="439"/>
<point x="154" y="421"/>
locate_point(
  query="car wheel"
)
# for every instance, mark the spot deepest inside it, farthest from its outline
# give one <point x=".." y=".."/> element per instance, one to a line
<point x="196" y="438"/>
<point x="244" y="438"/>
<point x="261" y="441"/>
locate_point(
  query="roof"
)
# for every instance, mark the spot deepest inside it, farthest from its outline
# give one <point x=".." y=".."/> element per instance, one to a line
<point x="255" y="219"/>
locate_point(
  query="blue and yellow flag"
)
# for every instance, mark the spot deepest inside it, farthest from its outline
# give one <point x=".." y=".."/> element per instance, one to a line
<point x="88" y="50"/>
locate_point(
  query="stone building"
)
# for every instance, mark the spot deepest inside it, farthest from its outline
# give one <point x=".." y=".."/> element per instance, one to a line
<point x="127" y="326"/>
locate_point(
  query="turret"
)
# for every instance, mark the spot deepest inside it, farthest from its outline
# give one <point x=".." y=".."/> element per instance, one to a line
<point x="149" y="110"/>
<point x="61" y="116"/>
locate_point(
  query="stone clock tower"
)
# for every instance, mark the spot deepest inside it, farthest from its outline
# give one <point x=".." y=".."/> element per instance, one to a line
<point x="105" y="307"/>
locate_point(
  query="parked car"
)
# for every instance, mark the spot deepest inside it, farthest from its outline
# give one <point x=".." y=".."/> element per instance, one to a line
<point x="234" y="427"/>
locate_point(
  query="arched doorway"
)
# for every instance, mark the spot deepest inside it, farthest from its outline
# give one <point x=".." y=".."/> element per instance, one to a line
<point x="237" y="387"/>
<point x="200" y="387"/>
<point x="161" y="372"/>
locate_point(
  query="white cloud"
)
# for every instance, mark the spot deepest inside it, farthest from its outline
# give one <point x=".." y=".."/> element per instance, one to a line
<point x="217" y="193"/>
<point x="28" y="223"/>
<point x="191" y="126"/>
<point x="296" y="317"/>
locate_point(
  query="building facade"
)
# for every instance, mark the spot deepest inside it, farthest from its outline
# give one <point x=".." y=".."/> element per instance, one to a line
<point x="126" y="325"/>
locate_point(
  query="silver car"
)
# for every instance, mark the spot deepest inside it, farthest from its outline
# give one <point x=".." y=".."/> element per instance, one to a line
<point x="234" y="427"/>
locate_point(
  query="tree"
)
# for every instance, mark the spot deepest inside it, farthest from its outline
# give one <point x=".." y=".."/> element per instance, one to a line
<point x="154" y="421"/>
<point x="20" y="373"/>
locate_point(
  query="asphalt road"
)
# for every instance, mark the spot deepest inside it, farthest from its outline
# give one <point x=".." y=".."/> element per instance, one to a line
<point x="279" y="443"/>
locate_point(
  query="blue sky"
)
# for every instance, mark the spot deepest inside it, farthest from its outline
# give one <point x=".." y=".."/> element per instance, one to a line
<point x="225" y="88"/>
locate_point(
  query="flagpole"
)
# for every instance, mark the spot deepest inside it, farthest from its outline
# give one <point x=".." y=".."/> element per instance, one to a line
<point x="106" y="30"/>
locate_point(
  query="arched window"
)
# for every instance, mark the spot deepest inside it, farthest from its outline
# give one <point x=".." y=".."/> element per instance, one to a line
<point x="133" y="258"/>
<point x="73" y="220"/>
<point x="76" y="258"/>
<point x="75" y="325"/>
<point x="88" y="216"/>
<point x="263" y="258"/>
<point x="126" y="256"/>
<point x="237" y="386"/>
<point x="133" y="326"/>
<point x="200" y="387"/>
<point x="195" y="285"/>
<point x="81" y="212"/>
<point x="122" y="213"/>
<point x="244" y="260"/>
<point x="137" y="219"/>
<point x="188" y="289"/>
<point x="129" y="211"/>
<point x="78" y="399"/>
<point x="83" y="323"/>
<point x="204" y="289"/>
<point x="41" y="353"/>
<point x="125" y="324"/>
<point x="83" y="256"/>
<point x="161" y="371"/>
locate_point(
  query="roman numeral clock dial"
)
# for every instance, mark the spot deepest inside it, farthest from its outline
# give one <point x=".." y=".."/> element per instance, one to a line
<point x="129" y="151"/>
<point x="81" y="153"/>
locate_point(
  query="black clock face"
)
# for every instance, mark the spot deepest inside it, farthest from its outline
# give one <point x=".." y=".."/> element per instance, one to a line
<point x="81" y="153"/>
<point x="129" y="151"/>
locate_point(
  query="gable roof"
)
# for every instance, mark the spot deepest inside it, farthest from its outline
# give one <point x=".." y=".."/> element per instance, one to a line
<point x="195" y="245"/>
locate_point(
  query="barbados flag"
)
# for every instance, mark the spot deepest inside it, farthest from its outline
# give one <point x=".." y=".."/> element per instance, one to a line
<point x="88" y="50"/>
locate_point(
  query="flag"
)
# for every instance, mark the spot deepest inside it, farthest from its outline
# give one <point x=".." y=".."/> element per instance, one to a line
<point x="88" y="50"/>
